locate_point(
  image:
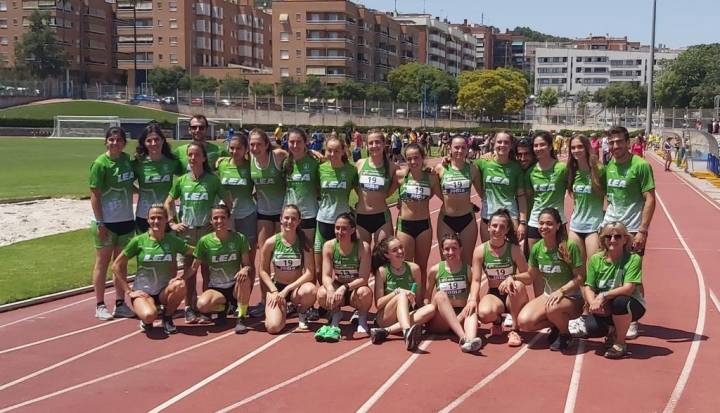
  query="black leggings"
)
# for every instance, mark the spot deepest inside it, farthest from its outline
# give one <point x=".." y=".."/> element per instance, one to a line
<point x="598" y="326"/>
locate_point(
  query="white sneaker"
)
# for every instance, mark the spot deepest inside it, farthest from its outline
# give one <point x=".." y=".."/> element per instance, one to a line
<point x="302" y="322"/>
<point x="471" y="346"/>
<point x="102" y="313"/>
<point x="632" y="332"/>
<point x="508" y="322"/>
<point x="363" y="327"/>
<point x="577" y="328"/>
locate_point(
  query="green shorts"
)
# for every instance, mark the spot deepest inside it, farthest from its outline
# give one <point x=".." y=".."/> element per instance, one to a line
<point x="119" y="234"/>
<point x="323" y="232"/>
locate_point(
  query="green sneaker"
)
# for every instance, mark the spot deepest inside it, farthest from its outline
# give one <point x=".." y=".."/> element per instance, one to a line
<point x="332" y="335"/>
<point x="320" y="334"/>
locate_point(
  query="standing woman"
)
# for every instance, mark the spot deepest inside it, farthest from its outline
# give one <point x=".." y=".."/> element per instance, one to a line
<point x="396" y="281"/>
<point x="226" y="253"/>
<point x="417" y="186"/>
<point x="111" y="192"/>
<point x="457" y="215"/>
<point x="234" y="174"/>
<point x="585" y="176"/>
<point x="157" y="290"/>
<point x="303" y="181"/>
<point x="345" y="274"/>
<point x="197" y="191"/>
<point x="288" y="256"/>
<point x="376" y="181"/>
<point x="154" y="166"/>
<point x="503" y="186"/>
<point x="557" y="263"/>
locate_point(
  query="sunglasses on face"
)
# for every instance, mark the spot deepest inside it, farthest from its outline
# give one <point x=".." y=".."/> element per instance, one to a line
<point x="613" y="236"/>
<point x="196" y="127"/>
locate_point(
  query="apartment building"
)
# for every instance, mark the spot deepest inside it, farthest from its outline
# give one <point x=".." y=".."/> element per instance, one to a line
<point x="606" y="43"/>
<point x="442" y="45"/>
<point x="83" y="27"/>
<point x="337" y="40"/>
<point x="573" y="70"/>
<point x="484" y="36"/>
<point x="230" y="34"/>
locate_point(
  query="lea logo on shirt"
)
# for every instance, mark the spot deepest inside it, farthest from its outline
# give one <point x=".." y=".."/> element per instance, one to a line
<point x="125" y="176"/>
<point x="499" y="180"/>
<point x="582" y="189"/>
<point x="157" y="258"/>
<point x="223" y="258"/>
<point x="334" y="185"/>
<point x="550" y="269"/>
<point x="300" y="177"/>
<point x="156" y="179"/>
<point x="234" y="181"/>
<point x="544" y="187"/>
<point x="265" y="181"/>
<point x="617" y="183"/>
<point x="196" y="196"/>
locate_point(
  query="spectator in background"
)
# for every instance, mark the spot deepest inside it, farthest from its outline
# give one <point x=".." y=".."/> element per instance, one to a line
<point x="667" y="155"/>
<point x="595" y="143"/>
<point x="605" y="147"/>
<point x="637" y="147"/>
<point x="278" y="133"/>
<point x="358" y="139"/>
<point x="716" y="126"/>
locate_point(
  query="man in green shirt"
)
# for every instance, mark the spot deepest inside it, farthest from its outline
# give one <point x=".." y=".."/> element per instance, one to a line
<point x="198" y="130"/>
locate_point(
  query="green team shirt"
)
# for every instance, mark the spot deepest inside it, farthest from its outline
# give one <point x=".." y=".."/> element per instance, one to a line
<point x="224" y="258"/>
<point x="155" y="260"/>
<point x="454" y="284"/>
<point x="604" y="275"/>
<point x="269" y="186"/>
<point x="500" y="186"/>
<point x="555" y="271"/>
<point x="303" y="184"/>
<point x="154" y="179"/>
<point x="498" y="268"/>
<point x="335" y="187"/>
<point x="625" y="184"/>
<point x="394" y="281"/>
<point x="214" y="152"/>
<point x="346" y="267"/>
<point x="456" y="182"/>
<point x="114" y="178"/>
<point x="588" y="206"/>
<point x="197" y="197"/>
<point x="287" y="257"/>
<point x="236" y="181"/>
<point x="372" y="179"/>
<point x="415" y="191"/>
<point x="548" y="190"/>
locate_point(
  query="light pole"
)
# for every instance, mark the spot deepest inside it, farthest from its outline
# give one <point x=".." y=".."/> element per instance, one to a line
<point x="651" y="69"/>
<point x="135" y="72"/>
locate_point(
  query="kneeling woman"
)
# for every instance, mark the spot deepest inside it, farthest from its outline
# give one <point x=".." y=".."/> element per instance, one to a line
<point x="614" y="289"/>
<point x="455" y="303"/>
<point x="345" y="274"/>
<point x="288" y="256"/>
<point x="157" y="289"/>
<point x="498" y="260"/>
<point x="559" y="263"/>
<point x="396" y="281"/>
<point x="227" y="255"/>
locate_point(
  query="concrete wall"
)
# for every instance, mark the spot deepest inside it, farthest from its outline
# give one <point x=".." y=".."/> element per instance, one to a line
<point x="7" y="101"/>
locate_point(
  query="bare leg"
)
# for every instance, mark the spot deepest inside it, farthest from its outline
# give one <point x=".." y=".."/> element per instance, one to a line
<point x="173" y="295"/>
<point x="144" y="308"/>
<point x="102" y="262"/>
<point x="211" y="301"/>
<point x="515" y="303"/>
<point x="445" y="317"/>
<point x="564" y="311"/>
<point x="275" y="317"/>
<point x="490" y="308"/>
<point x="533" y="316"/>
<point x="622" y="323"/>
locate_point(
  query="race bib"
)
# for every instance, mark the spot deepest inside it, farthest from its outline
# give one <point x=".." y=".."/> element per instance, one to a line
<point x="372" y="183"/>
<point x="498" y="273"/>
<point x="457" y="187"/>
<point x="417" y="191"/>
<point x="287" y="264"/>
<point x="453" y="287"/>
<point x="347" y="275"/>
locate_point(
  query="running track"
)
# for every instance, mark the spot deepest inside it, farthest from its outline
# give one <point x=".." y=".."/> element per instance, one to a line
<point x="57" y="356"/>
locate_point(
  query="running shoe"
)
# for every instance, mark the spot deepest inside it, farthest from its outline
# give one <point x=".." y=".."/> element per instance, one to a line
<point x="616" y="351"/>
<point x="496" y="330"/>
<point x="123" y="311"/>
<point x="221" y="318"/>
<point x="290" y="310"/>
<point x="145" y="327"/>
<point x="332" y="335"/>
<point x="258" y="311"/>
<point x="471" y="346"/>
<point x="355" y="318"/>
<point x="378" y="335"/>
<point x="191" y="316"/>
<point x="313" y="314"/>
<point x="508" y="321"/>
<point x="362" y="327"/>
<point x="302" y="322"/>
<point x="320" y="334"/>
<point x="204" y="319"/>
<point x="102" y="313"/>
<point x="578" y="328"/>
<point x="561" y="343"/>
<point x="413" y="337"/>
<point x="169" y="326"/>
<point x="632" y="332"/>
<point x="514" y="339"/>
<point x="552" y="335"/>
<point x="240" y="327"/>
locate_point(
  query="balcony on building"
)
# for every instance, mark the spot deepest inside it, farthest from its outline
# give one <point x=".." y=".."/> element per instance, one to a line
<point x="335" y="37"/>
<point x="329" y="19"/>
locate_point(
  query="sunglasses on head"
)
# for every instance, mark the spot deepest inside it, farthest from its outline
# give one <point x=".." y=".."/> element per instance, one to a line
<point x="613" y="236"/>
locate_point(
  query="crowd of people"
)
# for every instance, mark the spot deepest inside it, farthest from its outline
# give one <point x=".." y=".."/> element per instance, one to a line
<point x="280" y="216"/>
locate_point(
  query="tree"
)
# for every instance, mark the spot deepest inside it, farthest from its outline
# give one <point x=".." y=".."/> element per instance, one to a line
<point x="261" y="89"/>
<point x="377" y="92"/>
<point x="348" y="90"/>
<point x="547" y="98"/>
<point x="583" y="98"/>
<point x="166" y="81"/>
<point x="38" y="52"/>
<point x="312" y="87"/>
<point x="234" y="85"/>
<point x="199" y="83"/>
<point x="691" y="80"/>
<point x="622" y="94"/>
<point x="413" y="81"/>
<point x="535" y="36"/>
<point x="288" y="87"/>
<point x="492" y="92"/>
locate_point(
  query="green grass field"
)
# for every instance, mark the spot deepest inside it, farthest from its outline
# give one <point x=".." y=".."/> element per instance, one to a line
<point x="86" y="108"/>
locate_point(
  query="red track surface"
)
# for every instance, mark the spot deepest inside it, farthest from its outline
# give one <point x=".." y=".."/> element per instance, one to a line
<point x="114" y="367"/>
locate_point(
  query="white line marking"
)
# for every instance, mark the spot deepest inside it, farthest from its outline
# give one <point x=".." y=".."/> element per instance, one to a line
<point x="714" y="299"/>
<point x="71" y="333"/>
<point x="699" y="327"/>
<point x="293" y="379"/>
<point x="50" y="311"/>
<point x="66" y="361"/>
<point x="218" y="373"/>
<point x="490" y="377"/>
<point x="575" y="378"/>
<point x="399" y="372"/>
<point x="115" y="374"/>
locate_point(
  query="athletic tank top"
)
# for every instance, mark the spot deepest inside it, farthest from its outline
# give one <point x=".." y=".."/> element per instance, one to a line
<point x="346" y="267"/>
<point x="372" y="179"/>
<point x="456" y="182"/>
<point x="269" y="187"/>
<point x="236" y="181"/>
<point x="498" y="268"/>
<point x="394" y="281"/>
<point x="286" y="258"/>
<point x="415" y="191"/>
<point x="454" y="284"/>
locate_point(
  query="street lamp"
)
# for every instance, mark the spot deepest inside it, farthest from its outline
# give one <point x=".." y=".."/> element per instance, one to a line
<point x="651" y="64"/>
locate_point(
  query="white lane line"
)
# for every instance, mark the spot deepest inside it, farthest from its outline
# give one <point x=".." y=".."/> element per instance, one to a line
<point x="690" y="185"/>
<point x="114" y="374"/>
<point x="575" y="378"/>
<point x="66" y="361"/>
<point x="699" y="327"/>
<point x="218" y="373"/>
<point x="490" y="377"/>
<point x="399" y="372"/>
<point x="50" y="311"/>
<point x="714" y="299"/>
<point x="293" y="379"/>
<point x="71" y="333"/>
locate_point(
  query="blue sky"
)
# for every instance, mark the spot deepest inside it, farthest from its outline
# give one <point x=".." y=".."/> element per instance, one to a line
<point x="679" y="23"/>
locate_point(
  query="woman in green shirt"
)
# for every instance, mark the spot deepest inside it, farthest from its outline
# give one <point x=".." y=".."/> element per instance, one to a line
<point x="111" y="192"/>
<point x="303" y="181"/>
<point x="558" y="264"/>
<point x="614" y="289"/>
<point x="396" y="282"/>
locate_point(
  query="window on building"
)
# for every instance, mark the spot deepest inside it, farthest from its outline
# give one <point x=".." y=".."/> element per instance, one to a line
<point x="284" y="36"/>
<point x="3" y="5"/>
<point x="298" y="71"/>
<point x="3" y="23"/>
<point x="298" y="17"/>
<point x="298" y="52"/>
<point x="172" y="6"/>
<point x="284" y="72"/>
<point x="173" y="24"/>
<point x="173" y="41"/>
<point x="160" y="39"/>
<point x="284" y="55"/>
<point x="3" y="41"/>
<point x="160" y="57"/>
<point x="173" y="58"/>
<point x="297" y="36"/>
